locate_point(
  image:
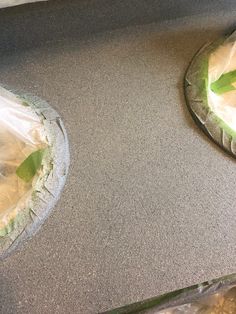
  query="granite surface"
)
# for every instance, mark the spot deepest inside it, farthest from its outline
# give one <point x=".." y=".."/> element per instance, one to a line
<point x="150" y="203"/>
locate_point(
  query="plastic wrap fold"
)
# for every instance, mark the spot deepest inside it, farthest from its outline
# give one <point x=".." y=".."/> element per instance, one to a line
<point x="210" y="90"/>
<point x="30" y="132"/>
<point x="10" y="3"/>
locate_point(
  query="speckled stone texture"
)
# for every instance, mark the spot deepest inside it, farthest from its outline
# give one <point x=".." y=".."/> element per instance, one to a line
<point x="150" y="202"/>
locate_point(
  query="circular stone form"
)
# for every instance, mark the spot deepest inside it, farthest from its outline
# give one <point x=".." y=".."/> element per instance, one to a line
<point x="49" y="182"/>
<point x="210" y="91"/>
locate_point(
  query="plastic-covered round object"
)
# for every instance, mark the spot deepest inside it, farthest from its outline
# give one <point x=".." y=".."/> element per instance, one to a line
<point x="34" y="161"/>
<point x="210" y="90"/>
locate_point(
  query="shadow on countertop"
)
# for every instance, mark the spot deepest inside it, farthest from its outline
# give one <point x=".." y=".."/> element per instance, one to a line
<point x="73" y="19"/>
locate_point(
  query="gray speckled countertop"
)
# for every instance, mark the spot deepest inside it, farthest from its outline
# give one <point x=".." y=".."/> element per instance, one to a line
<point x="150" y="202"/>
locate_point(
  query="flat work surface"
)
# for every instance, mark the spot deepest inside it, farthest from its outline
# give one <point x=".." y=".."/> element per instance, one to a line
<point x="150" y="203"/>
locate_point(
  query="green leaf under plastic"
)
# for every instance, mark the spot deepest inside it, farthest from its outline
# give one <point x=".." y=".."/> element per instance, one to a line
<point x="224" y="83"/>
<point x="29" y="167"/>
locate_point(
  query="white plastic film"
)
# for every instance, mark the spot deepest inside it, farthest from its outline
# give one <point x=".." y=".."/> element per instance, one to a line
<point x="221" y="61"/>
<point x="223" y="302"/>
<point x="10" y="3"/>
<point x="21" y="133"/>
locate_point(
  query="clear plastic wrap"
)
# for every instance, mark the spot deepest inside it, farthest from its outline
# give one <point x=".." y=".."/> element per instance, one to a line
<point x="222" y="99"/>
<point x="21" y="133"/>
<point x="34" y="162"/>
<point x="222" y="302"/>
<point x="210" y="91"/>
<point x="10" y="3"/>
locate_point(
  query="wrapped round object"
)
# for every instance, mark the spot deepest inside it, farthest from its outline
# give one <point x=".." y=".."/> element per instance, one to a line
<point x="10" y="3"/>
<point x="210" y="90"/>
<point x="215" y="296"/>
<point x="34" y="161"/>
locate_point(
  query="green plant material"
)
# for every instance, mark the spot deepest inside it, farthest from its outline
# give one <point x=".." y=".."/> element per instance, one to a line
<point x="29" y="167"/>
<point x="224" y="83"/>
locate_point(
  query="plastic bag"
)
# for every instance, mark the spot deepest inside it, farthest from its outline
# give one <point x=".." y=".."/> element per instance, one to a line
<point x="222" y="81"/>
<point x="9" y="3"/>
<point x="218" y="303"/>
<point x="21" y="133"/>
<point x="210" y="91"/>
<point x="34" y="164"/>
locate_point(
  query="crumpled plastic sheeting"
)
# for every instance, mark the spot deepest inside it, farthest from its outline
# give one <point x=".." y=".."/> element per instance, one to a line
<point x="214" y="113"/>
<point x="21" y="133"/>
<point x="223" y="302"/>
<point x="46" y="188"/>
<point x="17" y="117"/>
<point x="10" y="3"/>
<point x="12" y="188"/>
<point x="221" y="61"/>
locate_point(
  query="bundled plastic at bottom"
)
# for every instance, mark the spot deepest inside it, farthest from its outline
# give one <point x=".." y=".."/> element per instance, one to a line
<point x="216" y="296"/>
